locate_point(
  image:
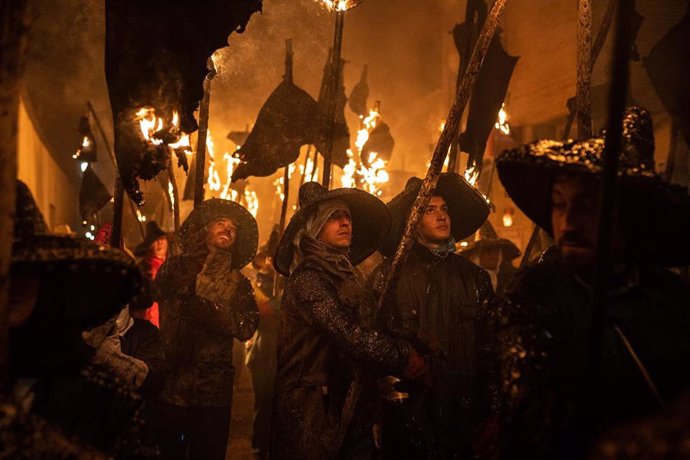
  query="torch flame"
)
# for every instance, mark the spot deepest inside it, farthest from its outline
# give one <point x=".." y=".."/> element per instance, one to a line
<point x="502" y="121"/>
<point x="471" y="175"/>
<point x="339" y="5"/>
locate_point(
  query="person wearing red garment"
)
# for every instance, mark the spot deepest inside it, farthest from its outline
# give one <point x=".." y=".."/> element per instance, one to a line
<point x="153" y="251"/>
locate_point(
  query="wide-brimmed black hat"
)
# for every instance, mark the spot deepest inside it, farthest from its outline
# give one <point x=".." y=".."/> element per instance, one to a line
<point x="528" y="173"/>
<point x="370" y="222"/>
<point x="247" y="239"/>
<point x="153" y="233"/>
<point x="466" y="206"/>
<point x="96" y="279"/>
<point x="489" y="239"/>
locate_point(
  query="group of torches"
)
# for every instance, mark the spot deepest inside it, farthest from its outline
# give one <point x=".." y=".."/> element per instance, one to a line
<point x="355" y="174"/>
<point x="370" y="175"/>
<point x="156" y="131"/>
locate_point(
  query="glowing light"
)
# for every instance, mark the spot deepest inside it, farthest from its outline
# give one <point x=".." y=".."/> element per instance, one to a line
<point x="471" y="175"/>
<point x="140" y="216"/>
<point x="464" y="244"/>
<point x="171" y="194"/>
<point x="339" y="5"/>
<point x="508" y="215"/>
<point x="83" y="165"/>
<point x="279" y="183"/>
<point x="251" y="201"/>
<point x="502" y="121"/>
<point x="371" y="178"/>
<point x="309" y="169"/>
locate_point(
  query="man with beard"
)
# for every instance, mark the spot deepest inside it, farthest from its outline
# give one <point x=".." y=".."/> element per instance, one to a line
<point x="440" y="303"/>
<point x="324" y="340"/>
<point x="556" y="400"/>
<point x="207" y="303"/>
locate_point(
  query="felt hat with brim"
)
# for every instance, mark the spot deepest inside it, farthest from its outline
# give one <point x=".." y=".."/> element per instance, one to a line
<point x="657" y="212"/>
<point x="96" y="280"/>
<point x="370" y="222"/>
<point x="466" y="206"/>
<point x="488" y="239"/>
<point x="153" y="233"/>
<point x="246" y="240"/>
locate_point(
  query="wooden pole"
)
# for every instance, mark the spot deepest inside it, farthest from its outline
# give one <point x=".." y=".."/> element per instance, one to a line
<point x="14" y="25"/>
<point x="584" y="69"/>
<point x="333" y="97"/>
<point x="117" y="195"/>
<point x="602" y="33"/>
<point x="204" y="107"/>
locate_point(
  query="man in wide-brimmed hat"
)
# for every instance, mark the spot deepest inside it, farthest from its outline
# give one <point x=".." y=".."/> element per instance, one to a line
<point x="645" y="338"/>
<point x="152" y="253"/>
<point x="493" y="254"/>
<point x="206" y="303"/>
<point x="61" y="286"/>
<point x="324" y="338"/>
<point x="440" y="303"/>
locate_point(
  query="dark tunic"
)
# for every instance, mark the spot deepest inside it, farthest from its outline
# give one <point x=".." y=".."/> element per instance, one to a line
<point x="198" y="333"/>
<point x="544" y="341"/>
<point x="322" y="340"/>
<point x="441" y="304"/>
<point x="143" y="341"/>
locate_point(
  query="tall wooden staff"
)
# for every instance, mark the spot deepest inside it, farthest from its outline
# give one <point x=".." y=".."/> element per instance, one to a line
<point x="333" y="96"/>
<point x="203" y="134"/>
<point x="584" y="69"/>
<point x="424" y="195"/>
<point x="286" y="174"/>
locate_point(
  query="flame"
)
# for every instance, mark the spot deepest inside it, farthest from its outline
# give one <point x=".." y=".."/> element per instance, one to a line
<point x="279" y="183"/>
<point x="339" y="5"/>
<point x="221" y="188"/>
<point x="251" y="201"/>
<point x="309" y="169"/>
<point x="140" y="216"/>
<point x="171" y="194"/>
<point x="85" y="145"/>
<point x="502" y="121"/>
<point x="370" y="178"/>
<point x="149" y="124"/>
<point x="508" y="215"/>
<point x="231" y="163"/>
<point x="471" y="175"/>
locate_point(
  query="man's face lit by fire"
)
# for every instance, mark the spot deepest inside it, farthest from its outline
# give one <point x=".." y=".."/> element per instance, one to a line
<point x="575" y="223"/>
<point x="434" y="226"/>
<point x="337" y="231"/>
<point x="221" y="233"/>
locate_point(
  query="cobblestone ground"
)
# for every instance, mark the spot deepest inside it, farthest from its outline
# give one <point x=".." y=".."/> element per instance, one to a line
<point x="239" y="447"/>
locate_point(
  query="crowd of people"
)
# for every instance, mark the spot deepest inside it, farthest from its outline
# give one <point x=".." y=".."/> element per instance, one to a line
<point x="461" y="357"/>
